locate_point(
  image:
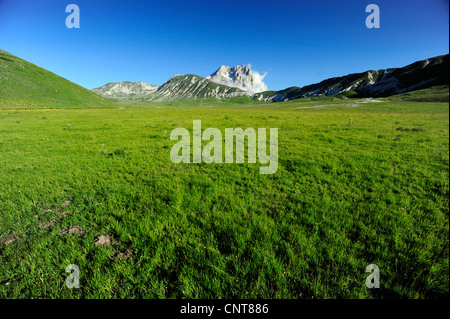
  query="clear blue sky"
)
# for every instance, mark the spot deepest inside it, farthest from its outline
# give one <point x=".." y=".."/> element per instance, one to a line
<point x="296" y="42"/>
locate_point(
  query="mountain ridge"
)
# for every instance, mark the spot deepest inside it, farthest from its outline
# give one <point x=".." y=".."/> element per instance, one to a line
<point x="23" y="84"/>
<point x="372" y="83"/>
<point x="177" y="87"/>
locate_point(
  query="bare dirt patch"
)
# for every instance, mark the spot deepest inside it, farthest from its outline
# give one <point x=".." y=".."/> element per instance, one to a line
<point x="66" y="203"/>
<point x="7" y="241"/>
<point x="72" y="230"/>
<point x="53" y="221"/>
<point x="103" y="240"/>
<point x="125" y="255"/>
<point x="57" y="208"/>
<point x="50" y="223"/>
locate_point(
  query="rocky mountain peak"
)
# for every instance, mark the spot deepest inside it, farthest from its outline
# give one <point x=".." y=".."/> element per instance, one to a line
<point x="240" y="76"/>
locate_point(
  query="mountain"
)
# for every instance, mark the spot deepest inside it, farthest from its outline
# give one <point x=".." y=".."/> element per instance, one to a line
<point x="178" y="87"/>
<point x="25" y="85"/>
<point x="418" y="75"/>
<point x="240" y="76"/>
<point x="126" y="90"/>
<point x="193" y="86"/>
<point x="381" y="83"/>
<point x="225" y="83"/>
<point x="240" y="80"/>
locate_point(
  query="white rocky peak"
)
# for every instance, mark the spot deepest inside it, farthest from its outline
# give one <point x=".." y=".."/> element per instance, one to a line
<point x="240" y="76"/>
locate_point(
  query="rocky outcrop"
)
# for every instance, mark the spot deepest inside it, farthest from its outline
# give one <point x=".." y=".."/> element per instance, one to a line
<point x="240" y="76"/>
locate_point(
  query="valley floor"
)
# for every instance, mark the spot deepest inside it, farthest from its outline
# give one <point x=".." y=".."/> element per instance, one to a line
<point x="358" y="183"/>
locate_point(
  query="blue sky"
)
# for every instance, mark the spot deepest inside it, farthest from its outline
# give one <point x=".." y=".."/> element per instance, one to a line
<point x="296" y="42"/>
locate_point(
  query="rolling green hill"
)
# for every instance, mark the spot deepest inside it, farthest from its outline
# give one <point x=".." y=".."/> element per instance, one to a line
<point x="25" y="85"/>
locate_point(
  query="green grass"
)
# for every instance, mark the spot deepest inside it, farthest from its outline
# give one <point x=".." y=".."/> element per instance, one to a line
<point x="433" y="94"/>
<point x="25" y="85"/>
<point x="203" y="102"/>
<point x="358" y="183"/>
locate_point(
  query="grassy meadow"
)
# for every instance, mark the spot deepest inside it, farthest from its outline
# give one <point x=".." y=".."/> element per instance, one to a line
<point x="359" y="182"/>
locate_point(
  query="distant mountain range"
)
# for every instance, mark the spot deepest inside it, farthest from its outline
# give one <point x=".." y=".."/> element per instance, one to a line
<point x="25" y="85"/>
<point x="381" y="83"/>
<point x="238" y="81"/>
<point x="191" y="86"/>
<point x="178" y="87"/>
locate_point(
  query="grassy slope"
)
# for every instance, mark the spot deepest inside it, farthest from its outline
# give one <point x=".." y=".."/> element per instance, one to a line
<point x="25" y="85"/>
<point x="433" y="94"/>
<point x="351" y="189"/>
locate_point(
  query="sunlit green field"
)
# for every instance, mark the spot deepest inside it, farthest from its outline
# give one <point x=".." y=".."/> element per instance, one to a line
<point x="358" y="183"/>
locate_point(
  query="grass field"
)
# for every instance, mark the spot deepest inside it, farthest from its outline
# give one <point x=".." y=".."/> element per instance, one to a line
<point x="359" y="182"/>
